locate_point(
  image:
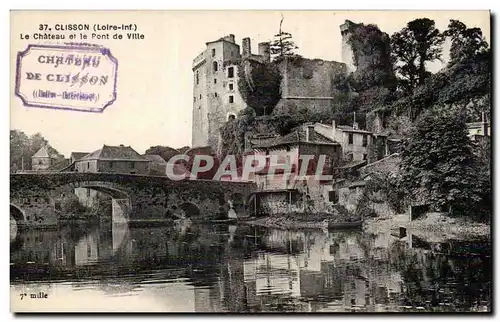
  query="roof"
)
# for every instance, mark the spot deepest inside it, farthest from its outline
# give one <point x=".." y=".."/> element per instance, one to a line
<point x="154" y="158"/>
<point x="298" y="135"/>
<point x="78" y="155"/>
<point x="352" y="164"/>
<point x="60" y="164"/>
<point x="356" y="184"/>
<point x="115" y="153"/>
<point x="43" y="152"/>
<point x="347" y="128"/>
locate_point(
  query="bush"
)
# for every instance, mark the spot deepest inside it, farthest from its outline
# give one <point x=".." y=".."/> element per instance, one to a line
<point x="71" y="205"/>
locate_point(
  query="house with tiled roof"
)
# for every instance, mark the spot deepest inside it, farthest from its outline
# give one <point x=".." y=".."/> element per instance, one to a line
<point x="355" y="142"/>
<point x="277" y="188"/>
<point x="75" y="156"/>
<point x="41" y="160"/>
<point x="114" y="159"/>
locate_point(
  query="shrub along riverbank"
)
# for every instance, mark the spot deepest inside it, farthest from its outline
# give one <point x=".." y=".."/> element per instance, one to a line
<point x="433" y="227"/>
<point x="295" y="220"/>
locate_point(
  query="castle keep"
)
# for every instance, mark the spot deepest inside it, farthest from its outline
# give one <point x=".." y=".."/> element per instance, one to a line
<point x="215" y="89"/>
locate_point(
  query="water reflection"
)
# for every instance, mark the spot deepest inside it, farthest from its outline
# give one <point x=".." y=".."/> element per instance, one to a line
<point x="246" y="269"/>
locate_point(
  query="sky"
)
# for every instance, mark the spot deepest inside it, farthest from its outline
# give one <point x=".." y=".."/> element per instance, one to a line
<point x="154" y="87"/>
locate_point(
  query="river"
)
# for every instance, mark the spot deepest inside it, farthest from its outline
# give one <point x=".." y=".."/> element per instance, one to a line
<point x="238" y="268"/>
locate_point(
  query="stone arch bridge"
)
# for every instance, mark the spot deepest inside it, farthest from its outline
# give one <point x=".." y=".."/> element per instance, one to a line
<point x="134" y="197"/>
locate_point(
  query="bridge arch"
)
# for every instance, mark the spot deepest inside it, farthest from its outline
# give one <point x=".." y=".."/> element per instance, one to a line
<point x="186" y="210"/>
<point x="17" y="214"/>
<point x="115" y="193"/>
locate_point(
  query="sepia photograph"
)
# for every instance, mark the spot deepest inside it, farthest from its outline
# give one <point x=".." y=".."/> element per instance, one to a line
<point x="246" y="162"/>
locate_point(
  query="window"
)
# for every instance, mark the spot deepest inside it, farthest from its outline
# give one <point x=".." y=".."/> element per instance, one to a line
<point x="213" y="52"/>
<point x="365" y="156"/>
<point x="89" y="250"/>
<point x="215" y="66"/>
<point x="88" y="165"/>
<point x="194" y="98"/>
<point x="215" y="94"/>
<point x="231" y="99"/>
<point x="231" y="86"/>
<point x="230" y="72"/>
<point x="215" y="80"/>
<point x="88" y="192"/>
<point x="200" y="96"/>
<point x="365" y="140"/>
<point x="111" y="163"/>
<point x="333" y="196"/>
<point x="132" y="165"/>
<point x="197" y="77"/>
<point x="351" y="139"/>
<point x="231" y="117"/>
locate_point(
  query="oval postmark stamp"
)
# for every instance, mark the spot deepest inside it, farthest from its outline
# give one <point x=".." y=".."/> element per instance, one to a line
<point x="69" y="77"/>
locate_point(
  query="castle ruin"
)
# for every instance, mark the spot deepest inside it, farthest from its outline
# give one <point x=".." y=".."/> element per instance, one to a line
<point x="305" y="83"/>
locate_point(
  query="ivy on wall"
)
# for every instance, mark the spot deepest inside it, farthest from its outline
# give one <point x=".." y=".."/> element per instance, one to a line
<point x="259" y="85"/>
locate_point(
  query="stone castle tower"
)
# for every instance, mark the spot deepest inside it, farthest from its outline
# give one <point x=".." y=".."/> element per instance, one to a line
<point x="216" y="98"/>
<point x="347" y="53"/>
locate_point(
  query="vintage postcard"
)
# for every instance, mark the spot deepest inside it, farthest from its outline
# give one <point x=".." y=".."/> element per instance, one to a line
<point x="250" y="161"/>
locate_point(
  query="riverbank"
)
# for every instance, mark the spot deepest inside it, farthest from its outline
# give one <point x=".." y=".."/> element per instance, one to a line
<point x="303" y="221"/>
<point x="433" y="227"/>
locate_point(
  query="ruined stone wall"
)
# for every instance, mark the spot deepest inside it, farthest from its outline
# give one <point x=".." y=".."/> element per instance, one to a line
<point x="308" y="83"/>
<point x="274" y="203"/>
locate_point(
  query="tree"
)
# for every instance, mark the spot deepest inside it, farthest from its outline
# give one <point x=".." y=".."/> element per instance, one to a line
<point x="464" y="85"/>
<point x="22" y="148"/>
<point x="165" y="152"/>
<point x="19" y="150"/>
<point x="233" y="133"/>
<point x="371" y="53"/>
<point x="439" y="166"/>
<point x="282" y="45"/>
<point x="466" y="43"/>
<point x="412" y="47"/>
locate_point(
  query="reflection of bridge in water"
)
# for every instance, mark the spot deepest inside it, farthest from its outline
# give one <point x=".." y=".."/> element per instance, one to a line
<point x="135" y="197"/>
<point x="241" y="268"/>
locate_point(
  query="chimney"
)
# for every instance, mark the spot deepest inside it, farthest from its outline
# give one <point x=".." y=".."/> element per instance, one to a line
<point x="264" y="51"/>
<point x="334" y="129"/>
<point x="355" y="125"/>
<point x="310" y="133"/>
<point x="247" y="49"/>
<point x="230" y="38"/>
